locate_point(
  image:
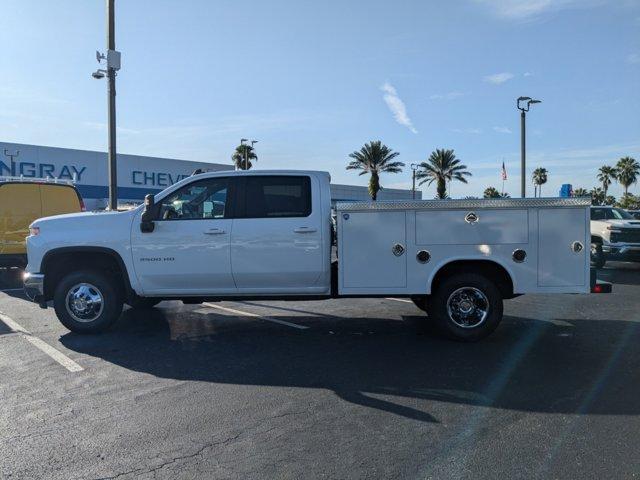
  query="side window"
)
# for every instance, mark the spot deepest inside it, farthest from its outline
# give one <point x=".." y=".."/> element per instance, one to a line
<point x="204" y="199"/>
<point x="597" y="214"/>
<point x="277" y="196"/>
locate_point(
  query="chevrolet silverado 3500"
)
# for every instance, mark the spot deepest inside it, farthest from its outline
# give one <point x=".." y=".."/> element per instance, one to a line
<point x="269" y="235"/>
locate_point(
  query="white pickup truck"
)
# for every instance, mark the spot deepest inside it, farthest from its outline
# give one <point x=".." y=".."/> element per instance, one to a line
<point x="269" y="234"/>
<point x="615" y="235"/>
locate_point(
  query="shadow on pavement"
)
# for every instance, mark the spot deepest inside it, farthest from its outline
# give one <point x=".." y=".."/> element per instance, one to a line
<point x="526" y="365"/>
<point x="621" y="273"/>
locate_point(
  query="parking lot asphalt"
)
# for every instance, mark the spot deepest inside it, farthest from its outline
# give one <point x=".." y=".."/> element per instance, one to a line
<point x="350" y="388"/>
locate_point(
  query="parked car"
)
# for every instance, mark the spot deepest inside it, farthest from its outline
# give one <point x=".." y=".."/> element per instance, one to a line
<point x="24" y="200"/>
<point x="267" y="235"/>
<point x="615" y="235"/>
<point x="635" y="214"/>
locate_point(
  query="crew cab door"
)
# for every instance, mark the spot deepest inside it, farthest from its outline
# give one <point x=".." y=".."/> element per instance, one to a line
<point x="188" y="251"/>
<point x="276" y="243"/>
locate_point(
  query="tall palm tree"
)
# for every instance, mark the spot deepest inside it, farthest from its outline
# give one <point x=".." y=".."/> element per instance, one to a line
<point x="628" y="170"/>
<point x="442" y="166"/>
<point x="580" y="192"/>
<point x="606" y="175"/>
<point x="238" y="157"/>
<point x="374" y="158"/>
<point x="539" y="178"/>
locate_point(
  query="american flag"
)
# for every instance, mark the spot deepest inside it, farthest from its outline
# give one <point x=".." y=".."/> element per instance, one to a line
<point x="504" y="172"/>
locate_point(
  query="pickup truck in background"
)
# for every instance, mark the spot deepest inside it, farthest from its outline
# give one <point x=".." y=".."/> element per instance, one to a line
<point x="269" y="235"/>
<point x="615" y="235"/>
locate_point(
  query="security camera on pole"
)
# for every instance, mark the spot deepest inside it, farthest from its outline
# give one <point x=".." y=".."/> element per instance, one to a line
<point x="112" y="59"/>
<point x="527" y="101"/>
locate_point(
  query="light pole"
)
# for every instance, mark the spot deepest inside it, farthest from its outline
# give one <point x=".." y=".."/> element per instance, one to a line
<point x="242" y="140"/>
<point x="414" y="168"/>
<point x="527" y="101"/>
<point x="113" y="65"/>
<point x="253" y="142"/>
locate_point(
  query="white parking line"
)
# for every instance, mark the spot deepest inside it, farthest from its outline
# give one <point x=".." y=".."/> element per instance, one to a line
<point x="249" y="314"/>
<point x="404" y="300"/>
<point x="41" y="345"/>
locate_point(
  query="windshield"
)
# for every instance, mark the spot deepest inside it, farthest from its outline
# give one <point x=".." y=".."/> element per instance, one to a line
<point x="610" y="214"/>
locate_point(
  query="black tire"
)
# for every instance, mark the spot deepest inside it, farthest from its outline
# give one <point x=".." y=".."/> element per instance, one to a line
<point x="96" y="284"/>
<point x="420" y="301"/>
<point x="143" y="303"/>
<point x="598" y="258"/>
<point x="471" y="290"/>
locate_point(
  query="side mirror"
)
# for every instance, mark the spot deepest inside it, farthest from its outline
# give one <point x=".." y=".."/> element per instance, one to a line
<point x="148" y="214"/>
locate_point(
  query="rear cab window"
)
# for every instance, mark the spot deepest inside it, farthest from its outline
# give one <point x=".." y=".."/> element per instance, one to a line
<point x="275" y="196"/>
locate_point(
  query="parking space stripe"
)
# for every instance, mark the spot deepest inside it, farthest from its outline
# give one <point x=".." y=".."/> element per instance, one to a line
<point x="255" y="315"/>
<point x="41" y="345"/>
<point x="58" y="356"/>
<point x="404" y="300"/>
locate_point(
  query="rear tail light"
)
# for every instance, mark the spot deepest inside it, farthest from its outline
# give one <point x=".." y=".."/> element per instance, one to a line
<point x="82" y="207"/>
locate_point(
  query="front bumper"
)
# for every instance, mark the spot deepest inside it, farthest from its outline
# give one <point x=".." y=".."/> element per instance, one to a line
<point x="34" y="287"/>
<point x="622" y="251"/>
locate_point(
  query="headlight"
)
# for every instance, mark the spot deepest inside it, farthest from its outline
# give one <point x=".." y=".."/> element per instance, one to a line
<point x="33" y="231"/>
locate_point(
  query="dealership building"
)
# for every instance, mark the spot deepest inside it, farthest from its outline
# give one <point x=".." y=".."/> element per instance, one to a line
<point x="137" y="175"/>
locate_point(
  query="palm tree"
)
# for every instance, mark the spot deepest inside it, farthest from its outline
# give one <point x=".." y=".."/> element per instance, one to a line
<point x="597" y="196"/>
<point x="606" y="175"/>
<point x="374" y="158"/>
<point x="238" y="157"/>
<point x="628" y="170"/>
<point x="539" y="178"/>
<point x="580" y="192"/>
<point x="491" y="192"/>
<point x="442" y="166"/>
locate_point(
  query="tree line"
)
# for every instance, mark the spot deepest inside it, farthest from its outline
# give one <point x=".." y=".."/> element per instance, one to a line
<point x="442" y="167"/>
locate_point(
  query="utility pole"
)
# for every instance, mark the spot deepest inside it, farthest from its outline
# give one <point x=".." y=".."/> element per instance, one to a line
<point x="414" y="167"/>
<point x="111" y="75"/>
<point x="523" y="154"/>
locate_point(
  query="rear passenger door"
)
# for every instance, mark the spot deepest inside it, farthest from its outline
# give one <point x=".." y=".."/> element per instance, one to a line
<point x="276" y="242"/>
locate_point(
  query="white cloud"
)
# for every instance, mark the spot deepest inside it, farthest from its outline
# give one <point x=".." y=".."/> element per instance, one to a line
<point x="474" y="131"/>
<point x="447" y="96"/>
<point x="528" y="9"/>
<point x="633" y="58"/>
<point x="397" y="106"/>
<point x="527" y="74"/>
<point x="502" y="129"/>
<point x="498" y="78"/>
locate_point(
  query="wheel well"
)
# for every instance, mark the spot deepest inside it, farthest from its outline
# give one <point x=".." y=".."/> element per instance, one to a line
<point x="56" y="264"/>
<point x="492" y="270"/>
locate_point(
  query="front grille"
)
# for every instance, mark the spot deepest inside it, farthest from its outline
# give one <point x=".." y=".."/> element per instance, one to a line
<point x="626" y="235"/>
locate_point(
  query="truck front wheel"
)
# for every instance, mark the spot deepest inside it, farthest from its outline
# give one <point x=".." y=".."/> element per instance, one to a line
<point x="87" y="301"/>
<point x="466" y="307"/>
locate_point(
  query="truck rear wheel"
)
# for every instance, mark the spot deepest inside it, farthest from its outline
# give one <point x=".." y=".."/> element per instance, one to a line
<point x="87" y="301"/>
<point x="466" y="307"/>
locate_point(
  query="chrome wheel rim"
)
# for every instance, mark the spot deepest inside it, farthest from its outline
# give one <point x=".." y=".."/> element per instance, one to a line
<point x="84" y="302"/>
<point x="468" y="307"/>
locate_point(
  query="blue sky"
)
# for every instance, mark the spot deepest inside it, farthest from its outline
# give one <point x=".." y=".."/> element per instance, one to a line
<point x="313" y="81"/>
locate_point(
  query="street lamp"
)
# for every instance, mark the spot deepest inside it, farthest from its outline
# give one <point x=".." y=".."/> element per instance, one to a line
<point x="253" y="142"/>
<point x="526" y="103"/>
<point x="112" y="59"/>
<point x="414" y="168"/>
<point x="242" y="140"/>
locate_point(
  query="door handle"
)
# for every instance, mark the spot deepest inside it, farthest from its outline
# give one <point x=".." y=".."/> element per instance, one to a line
<point x="304" y="230"/>
<point x="214" y="231"/>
